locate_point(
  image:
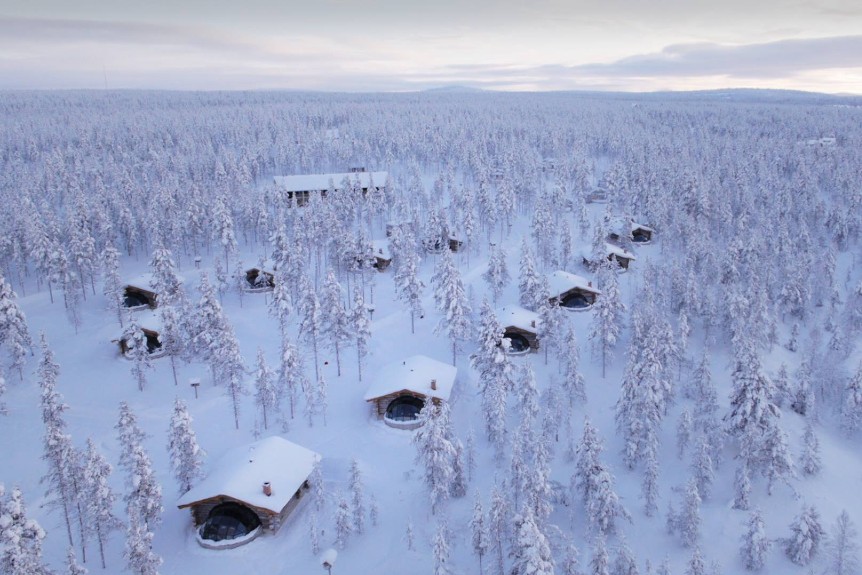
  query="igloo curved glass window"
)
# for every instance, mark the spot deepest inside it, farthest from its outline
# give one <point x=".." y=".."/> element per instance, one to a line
<point x="641" y="236"/>
<point x="576" y="300"/>
<point x="517" y="342"/>
<point x="135" y="299"/>
<point x="404" y="408"/>
<point x="229" y="521"/>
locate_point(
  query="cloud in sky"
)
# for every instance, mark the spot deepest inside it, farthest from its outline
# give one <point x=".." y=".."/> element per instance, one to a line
<point x="552" y="47"/>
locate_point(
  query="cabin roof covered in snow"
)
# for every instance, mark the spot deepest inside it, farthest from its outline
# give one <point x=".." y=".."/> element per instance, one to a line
<point x="562" y="281"/>
<point x="241" y="472"/>
<point x="146" y="319"/>
<point x="620" y="223"/>
<point x="381" y="249"/>
<point x="320" y="182"/>
<point x="414" y="374"/>
<point x="618" y="251"/>
<point x="519" y="317"/>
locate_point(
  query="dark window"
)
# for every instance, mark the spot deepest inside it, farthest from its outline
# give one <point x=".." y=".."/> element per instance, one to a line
<point x="404" y="408"/>
<point x="153" y="343"/>
<point x="517" y="342"/>
<point x="135" y="299"/>
<point x="640" y="236"/>
<point x="576" y="300"/>
<point x="229" y="521"/>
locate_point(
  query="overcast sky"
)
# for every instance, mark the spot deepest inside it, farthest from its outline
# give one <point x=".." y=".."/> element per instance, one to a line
<point x="398" y="45"/>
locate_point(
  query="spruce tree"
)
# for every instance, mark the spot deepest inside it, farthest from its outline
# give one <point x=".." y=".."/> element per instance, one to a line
<point x="20" y="537"/>
<point x="806" y="536"/>
<point x="264" y="388"/>
<point x="451" y="299"/>
<point x="186" y="455"/>
<point x="843" y="547"/>
<point x="99" y="497"/>
<point x="755" y="544"/>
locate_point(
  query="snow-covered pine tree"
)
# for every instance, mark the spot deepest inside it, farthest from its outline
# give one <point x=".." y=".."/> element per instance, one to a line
<point x="702" y="468"/>
<point x="498" y="526"/>
<point x="408" y="286"/>
<point x="497" y="274"/>
<point x="223" y="228"/>
<point x="435" y="451"/>
<point x="600" y="563"/>
<point x="139" y="555"/>
<point x="172" y="337"/>
<point x="13" y="327"/>
<point x="810" y="461"/>
<point x="112" y="286"/>
<point x="479" y="530"/>
<point x="806" y="536"/>
<point x="571" y="561"/>
<point x="696" y="565"/>
<point x="335" y="322"/>
<point x="291" y="375"/>
<point x="688" y="520"/>
<point x="137" y="351"/>
<point x="496" y="375"/>
<point x="98" y="497"/>
<point x="605" y="325"/>
<point x="755" y="544"/>
<point x="186" y="455"/>
<point x="742" y="486"/>
<point x="851" y="408"/>
<point x="683" y="432"/>
<point x="310" y="324"/>
<point x="58" y="451"/>
<point x="530" y="551"/>
<point x="550" y="323"/>
<point x="573" y="381"/>
<point x="165" y="281"/>
<point x="842" y="548"/>
<point x="264" y="388"/>
<point x="360" y="327"/>
<point x="144" y="492"/>
<point x="529" y="283"/>
<point x="72" y="567"/>
<point x="440" y="549"/>
<point x="280" y="303"/>
<point x="357" y="497"/>
<point x="624" y="561"/>
<point x="343" y="522"/>
<point x="451" y="299"/>
<point x="20" y="537"/>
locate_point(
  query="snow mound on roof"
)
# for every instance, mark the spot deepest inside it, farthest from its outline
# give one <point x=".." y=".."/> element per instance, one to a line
<point x="241" y="472"/>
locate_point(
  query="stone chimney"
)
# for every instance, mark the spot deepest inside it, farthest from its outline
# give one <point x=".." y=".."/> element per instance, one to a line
<point x="267" y="488"/>
<point x="434" y="385"/>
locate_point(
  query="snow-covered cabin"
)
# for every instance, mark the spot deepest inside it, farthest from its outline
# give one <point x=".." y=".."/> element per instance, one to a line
<point x="252" y="488"/>
<point x="597" y="196"/>
<point x="381" y="254"/>
<point x="572" y="291"/>
<point x="259" y="280"/>
<point x="637" y="233"/>
<point x="300" y="187"/>
<point x="613" y="253"/>
<point x="137" y="297"/>
<point x="620" y="255"/>
<point x="151" y="325"/>
<point x="520" y="327"/>
<point x="400" y="389"/>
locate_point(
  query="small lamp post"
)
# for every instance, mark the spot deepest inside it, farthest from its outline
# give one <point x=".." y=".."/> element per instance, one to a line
<point x="328" y="559"/>
<point x="195" y="383"/>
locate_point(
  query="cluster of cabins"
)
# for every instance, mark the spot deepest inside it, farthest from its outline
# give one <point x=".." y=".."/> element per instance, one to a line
<point x="254" y="488"/>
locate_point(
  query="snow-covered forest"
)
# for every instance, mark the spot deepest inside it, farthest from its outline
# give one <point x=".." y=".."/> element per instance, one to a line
<point x="701" y="416"/>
